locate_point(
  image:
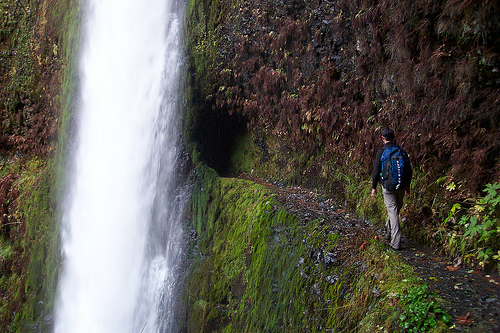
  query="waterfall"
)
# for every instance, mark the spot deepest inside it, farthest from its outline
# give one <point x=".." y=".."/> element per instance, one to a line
<point x="122" y="233"/>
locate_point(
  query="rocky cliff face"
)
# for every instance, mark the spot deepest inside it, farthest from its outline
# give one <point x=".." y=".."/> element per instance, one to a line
<point x="297" y="92"/>
<point x="326" y="76"/>
<point x="315" y="81"/>
<point x="38" y="40"/>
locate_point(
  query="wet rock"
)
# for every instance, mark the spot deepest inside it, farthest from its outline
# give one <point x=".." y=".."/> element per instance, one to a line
<point x="332" y="279"/>
<point x="316" y="256"/>
<point x="329" y="259"/>
<point x="316" y="289"/>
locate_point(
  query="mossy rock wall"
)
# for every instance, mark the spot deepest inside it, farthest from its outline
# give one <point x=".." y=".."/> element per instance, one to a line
<point x="250" y="264"/>
<point x="257" y="268"/>
<point x="315" y="81"/>
<point x="38" y="45"/>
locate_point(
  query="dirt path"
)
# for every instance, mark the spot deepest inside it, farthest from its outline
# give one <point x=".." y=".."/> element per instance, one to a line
<point x="474" y="296"/>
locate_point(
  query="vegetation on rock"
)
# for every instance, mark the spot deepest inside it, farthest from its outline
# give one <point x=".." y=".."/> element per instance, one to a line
<point x="257" y="268"/>
<point x="314" y="81"/>
<point x="37" y="44"/>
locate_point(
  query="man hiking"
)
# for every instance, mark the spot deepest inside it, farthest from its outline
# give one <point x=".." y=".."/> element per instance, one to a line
<point x="392" y="168"/>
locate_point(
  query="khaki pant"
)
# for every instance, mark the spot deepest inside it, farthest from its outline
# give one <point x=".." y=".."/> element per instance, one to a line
<point x="393" y="202"/>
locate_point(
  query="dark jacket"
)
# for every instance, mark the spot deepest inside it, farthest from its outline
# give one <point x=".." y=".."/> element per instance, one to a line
<point x="377" y="166"/>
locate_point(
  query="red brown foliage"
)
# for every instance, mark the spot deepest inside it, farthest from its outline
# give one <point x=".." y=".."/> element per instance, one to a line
<point x="328" y="75"/>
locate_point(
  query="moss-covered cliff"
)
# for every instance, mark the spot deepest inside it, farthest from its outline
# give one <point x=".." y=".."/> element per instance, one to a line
<point x="258" y="268"/>
<point x="38" y="42"/>
<point x="298" y="92"/>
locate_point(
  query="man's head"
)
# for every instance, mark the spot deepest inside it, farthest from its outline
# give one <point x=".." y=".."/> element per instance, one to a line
<point x="388" y="134"/>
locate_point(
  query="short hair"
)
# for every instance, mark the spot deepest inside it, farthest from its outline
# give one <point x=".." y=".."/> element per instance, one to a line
<point x="388" y="134"/>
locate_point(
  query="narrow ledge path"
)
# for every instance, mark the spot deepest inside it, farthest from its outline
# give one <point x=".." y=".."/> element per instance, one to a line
<point x="474" y="296"/>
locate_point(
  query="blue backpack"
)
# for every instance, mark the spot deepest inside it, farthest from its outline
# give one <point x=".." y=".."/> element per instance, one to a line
<point x="395" y="165"/>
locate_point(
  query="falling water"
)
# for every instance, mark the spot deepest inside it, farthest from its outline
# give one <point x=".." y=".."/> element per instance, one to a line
<point x="121" y="229"/>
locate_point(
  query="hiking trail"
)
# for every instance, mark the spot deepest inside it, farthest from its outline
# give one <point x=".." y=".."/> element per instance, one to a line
<point x="473" y="295"/>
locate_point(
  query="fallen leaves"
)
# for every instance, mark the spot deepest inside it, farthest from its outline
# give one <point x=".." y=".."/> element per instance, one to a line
<point x="363" y="246"/>
<point x="394" y="301"/>
<point x="473" y="271"/>
<point x="490" y="280"/>
<point x="451" y="268"/>
<point x="457" y="263"/>
<point x="465" y="320"/>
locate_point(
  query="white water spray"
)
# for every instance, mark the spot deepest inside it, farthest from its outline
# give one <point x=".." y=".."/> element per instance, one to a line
<point x="121" y="228"/>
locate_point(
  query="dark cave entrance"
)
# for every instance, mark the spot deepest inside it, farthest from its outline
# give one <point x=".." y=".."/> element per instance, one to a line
<point x="216" y="133"/>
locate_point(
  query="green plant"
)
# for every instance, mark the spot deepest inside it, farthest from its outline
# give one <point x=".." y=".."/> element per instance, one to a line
<point x="421" y="312"/>
<point x="480" y="225"/>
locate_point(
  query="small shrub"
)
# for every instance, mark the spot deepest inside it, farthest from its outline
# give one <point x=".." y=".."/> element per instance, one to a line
<point x="480" y="227"/>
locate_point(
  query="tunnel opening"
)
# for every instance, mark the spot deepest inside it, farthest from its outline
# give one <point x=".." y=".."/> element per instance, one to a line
<point x="216" y="133"/>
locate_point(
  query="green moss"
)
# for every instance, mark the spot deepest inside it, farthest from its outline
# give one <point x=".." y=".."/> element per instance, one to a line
<point x="358" y="194"/>
<point x="37" y="208"/>
<point x="30" y="280"/>
<point x="203" y="23"/>
<point x="30" y="251"/>
<point x="203" y="26"/>
<point x="41" y="185"/>
<point x="258" y="268"/>
<point x="244" y="156"/>
<point x="68" y="12"/>
<point x="249" y="258"/>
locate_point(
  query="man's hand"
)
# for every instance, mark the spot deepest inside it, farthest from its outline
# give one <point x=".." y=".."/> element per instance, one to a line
<point x="374" y="192"/>
<point x="407" y="191"/>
